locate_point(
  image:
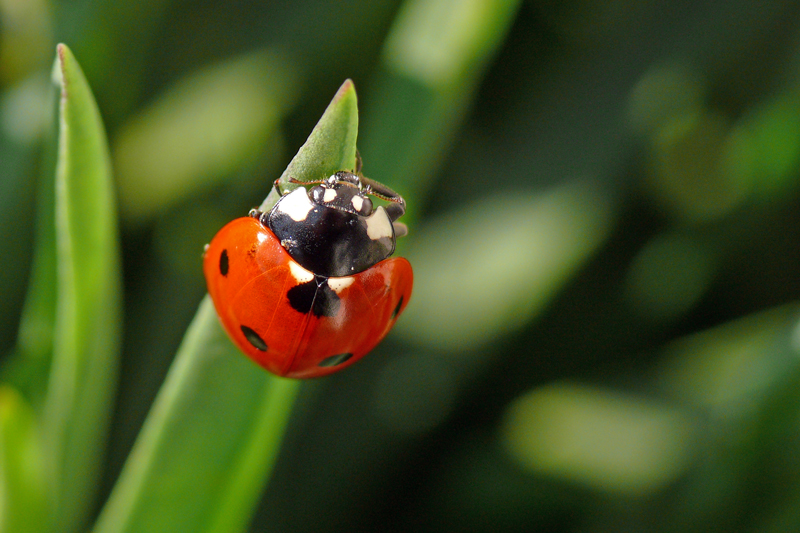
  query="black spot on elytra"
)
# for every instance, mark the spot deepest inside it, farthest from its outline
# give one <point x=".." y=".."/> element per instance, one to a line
<point x="253" y="338"/>
<point x="397" y="309"/>
<point x="223" y="263"/>
<point x="335" y="360"/>
<point x="315" y="296"/>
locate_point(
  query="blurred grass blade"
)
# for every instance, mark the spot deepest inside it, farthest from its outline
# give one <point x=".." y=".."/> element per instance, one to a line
<point x="563" y="227"/>
<point x="213" y="435"/>
<point x="433" y="60"/>
<point x="88" y="313"/>
<point x="29" y="364"/>
<point x="22" y="483"/>
<point x="205" y="127"/>
<point x="741" y="379"/>
<point x="600" y="438"/>
<point x="734" y="364"/>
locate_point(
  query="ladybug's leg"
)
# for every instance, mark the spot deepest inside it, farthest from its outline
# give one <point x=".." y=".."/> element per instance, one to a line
<point x="395" y="211"/>
<point x="400" y="229"/>
<point x="359" y="163"/>
<point x="396" y="208"/>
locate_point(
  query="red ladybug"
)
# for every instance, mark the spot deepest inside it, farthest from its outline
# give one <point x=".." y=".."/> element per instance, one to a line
<point x="308" y="288"/>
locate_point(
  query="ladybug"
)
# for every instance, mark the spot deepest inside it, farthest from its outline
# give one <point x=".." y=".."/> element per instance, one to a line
<point x="308" y="288"/>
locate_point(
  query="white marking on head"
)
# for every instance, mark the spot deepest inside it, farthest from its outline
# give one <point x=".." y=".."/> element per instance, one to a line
<point x="358" y="203"/>
<point x="329" y="196"/>
<point x="337" y="284"/>
<point x="296" y="205"/>
<point x="300" y="274"/>
<point x="378" y="225"/>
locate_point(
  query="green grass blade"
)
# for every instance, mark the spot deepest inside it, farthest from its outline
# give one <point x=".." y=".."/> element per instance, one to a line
<point x="204" y="454"/>
<point x="211" y="436"/>
<point x="87" y="333"/>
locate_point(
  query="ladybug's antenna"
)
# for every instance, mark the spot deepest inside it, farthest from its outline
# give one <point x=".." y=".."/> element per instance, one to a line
<point x="277" y="183"/>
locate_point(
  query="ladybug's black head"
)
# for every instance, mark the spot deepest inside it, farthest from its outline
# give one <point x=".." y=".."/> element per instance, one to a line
<point x="334" y="229"/>
<point x="345" y="192"/>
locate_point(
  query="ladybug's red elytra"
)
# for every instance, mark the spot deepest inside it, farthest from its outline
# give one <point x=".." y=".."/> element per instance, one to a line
<point x="308" y="288"/>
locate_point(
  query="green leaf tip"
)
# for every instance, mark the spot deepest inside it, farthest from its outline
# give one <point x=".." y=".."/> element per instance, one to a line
<point x="330" y="147"/>
<point x="62" y="50"/>
<point x="347" y="90"/>
<point x="64" y="67"/>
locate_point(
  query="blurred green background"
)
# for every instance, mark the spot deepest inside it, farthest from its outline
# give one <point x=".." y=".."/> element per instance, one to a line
<point x="604" y="228"/>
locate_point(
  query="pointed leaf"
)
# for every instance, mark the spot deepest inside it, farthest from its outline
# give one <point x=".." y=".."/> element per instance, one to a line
<point x="88" y="311"/>
<point x="330" y="147"/>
